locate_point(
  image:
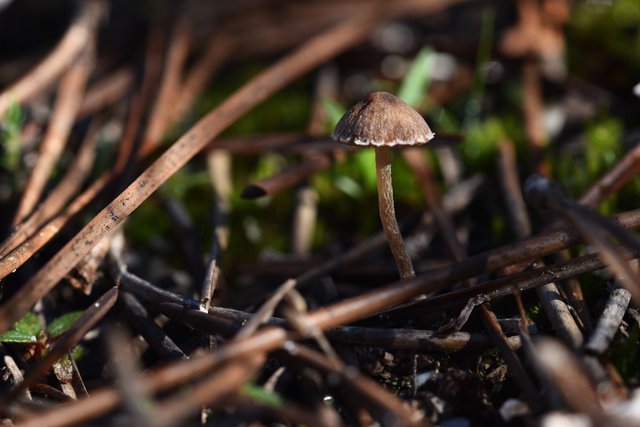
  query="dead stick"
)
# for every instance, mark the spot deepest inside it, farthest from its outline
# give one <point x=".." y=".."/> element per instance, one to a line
<point x="287" y="177"/>
<point x="160" y="117"/>
<point x="70" y="94"/>
<point x="609" y="322"/>
<point x="28" y="248"/>
<point x="58" y="197"/>
<point x="106" y="91"/>
<point x="45" y="74"/>
<point x="199" y="75"/>
<point x="154" y="53"/>
<point x="142" y="323"/>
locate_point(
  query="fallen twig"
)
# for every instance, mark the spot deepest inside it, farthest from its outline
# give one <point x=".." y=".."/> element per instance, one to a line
<point x="70" y="92"/>
<point x="81" y="30"/>
<point x="70" y="184"/>
<point x="609" y="322"/>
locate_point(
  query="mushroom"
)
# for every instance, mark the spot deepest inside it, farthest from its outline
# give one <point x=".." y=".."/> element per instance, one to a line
<point x="382" y="120"/>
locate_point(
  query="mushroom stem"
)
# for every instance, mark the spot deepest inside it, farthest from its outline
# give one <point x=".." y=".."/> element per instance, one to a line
<point x="388" y="213"/>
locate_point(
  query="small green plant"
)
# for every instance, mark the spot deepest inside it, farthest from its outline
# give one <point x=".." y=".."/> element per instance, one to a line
<point x="26" y="331"/>
<point x="29" y="333"/>
<point x="29" y="330"/>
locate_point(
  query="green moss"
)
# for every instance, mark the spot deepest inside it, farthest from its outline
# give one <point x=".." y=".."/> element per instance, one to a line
<point x="610" y="29"/>
<point x="481" y="141"/>
<point x="579" y="168"/>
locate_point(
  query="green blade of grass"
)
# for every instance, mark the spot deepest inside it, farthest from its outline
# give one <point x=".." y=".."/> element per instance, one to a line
<point x="413" y="87"/>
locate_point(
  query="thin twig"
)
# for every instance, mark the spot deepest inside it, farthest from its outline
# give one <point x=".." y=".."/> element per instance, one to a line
<point x="510" y="182"/>
<point x="304" y="220"/>
<point x="559" y="315"/>
<point x="416" y="340"/>
<point x="84" y="275"/>
<point x="106" y="92"/>
<point x="77" y="382"/>
<point x="613" y="180"/>
<point x="287" y="178"/>
<point x="157" y="339"/>
<point x="43" y="76"/>
<point x="126" y="369"/>
<point x="16" y="373"/>
<point x="58" y="198"/>
<point x="219" y="168"/>
<point x="27" y="249"/>
<point x="197" y="77"/>
<point x="569" y="377"/>
<point x="295" y="312"/>
<point x="70" y="93"/>
<point x="160" y="117"/>
<point x="609" y="322"/>
<point x="213" y="273"/>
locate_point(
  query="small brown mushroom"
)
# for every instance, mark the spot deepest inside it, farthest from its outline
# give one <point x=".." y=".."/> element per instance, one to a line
<point x="382" y="120"/>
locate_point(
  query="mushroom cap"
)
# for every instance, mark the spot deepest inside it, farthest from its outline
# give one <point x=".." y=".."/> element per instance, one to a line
<point x="382" y="119"/>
